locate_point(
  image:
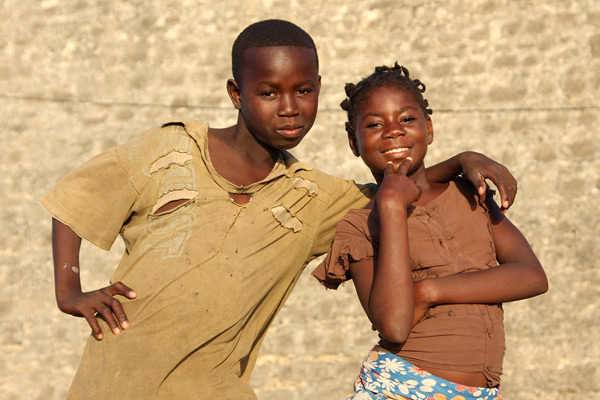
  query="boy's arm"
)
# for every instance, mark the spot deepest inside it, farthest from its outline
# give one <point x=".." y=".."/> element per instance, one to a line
<point x="69" y="297"/>
<point x="519" y="275"/>
<point x="477" y="168"/>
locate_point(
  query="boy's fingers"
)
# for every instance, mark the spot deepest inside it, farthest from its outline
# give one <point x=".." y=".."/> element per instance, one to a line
<point x="508" y="193"/>
<point x="93" y="323"/>
<point x="482" y="190"/>
<point x="121" y="288"/>
<point x="117" y="310"/>
<point x="106" y="313"/>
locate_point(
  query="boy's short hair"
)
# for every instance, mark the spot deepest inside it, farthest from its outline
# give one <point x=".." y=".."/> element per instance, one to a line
<point x="268" y="33"/>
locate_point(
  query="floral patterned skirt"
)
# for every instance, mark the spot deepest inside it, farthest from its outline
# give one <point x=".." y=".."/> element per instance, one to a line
<point x="384" y="375"/>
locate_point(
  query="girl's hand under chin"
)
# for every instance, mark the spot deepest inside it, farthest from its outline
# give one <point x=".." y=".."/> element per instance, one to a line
<point x="397" y="190"/>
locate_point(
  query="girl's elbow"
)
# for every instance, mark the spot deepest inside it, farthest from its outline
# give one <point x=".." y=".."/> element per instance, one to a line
<point x="543" y="285"/>
<point x="394" y="333"/>
<point x="540" y="283"/>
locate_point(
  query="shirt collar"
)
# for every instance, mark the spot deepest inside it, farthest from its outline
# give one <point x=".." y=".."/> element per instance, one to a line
<point x="286" y="164"/>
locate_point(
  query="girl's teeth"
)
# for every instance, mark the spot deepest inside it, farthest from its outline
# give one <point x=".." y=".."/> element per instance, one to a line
<point x="396" y="150"/>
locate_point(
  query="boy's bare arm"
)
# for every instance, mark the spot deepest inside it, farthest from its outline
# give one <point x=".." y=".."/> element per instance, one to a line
<point x="519" y="275"/>
<point x="477" y="168"/>
<point x="69" y="297"/>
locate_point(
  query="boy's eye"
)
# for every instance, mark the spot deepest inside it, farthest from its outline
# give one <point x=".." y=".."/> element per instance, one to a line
<point x="373" y="124"/>
<point x="304" y="91"/>
<point x="268" y="94"/>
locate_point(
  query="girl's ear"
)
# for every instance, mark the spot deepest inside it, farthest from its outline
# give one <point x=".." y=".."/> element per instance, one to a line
<point x="233" y="90"/>
<point x="352" y="143"/>
<point x="429" y="130"/>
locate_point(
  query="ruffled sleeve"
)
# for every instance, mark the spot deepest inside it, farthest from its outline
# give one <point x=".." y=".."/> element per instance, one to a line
<point x="351" y="243"/>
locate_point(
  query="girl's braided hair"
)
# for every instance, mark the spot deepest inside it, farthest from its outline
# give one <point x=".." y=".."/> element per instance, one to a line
<point x="383" y="76"/>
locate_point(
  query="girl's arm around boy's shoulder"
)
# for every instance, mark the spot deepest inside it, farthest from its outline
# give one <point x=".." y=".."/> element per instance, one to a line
<point x="477" y="168"/>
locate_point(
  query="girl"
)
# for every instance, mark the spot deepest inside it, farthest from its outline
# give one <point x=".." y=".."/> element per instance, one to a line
<point x="435" y="300"/>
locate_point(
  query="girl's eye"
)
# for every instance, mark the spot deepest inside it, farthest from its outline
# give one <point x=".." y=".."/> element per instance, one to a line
<point x="408" y="119"/>
<point x="373" y="125"/>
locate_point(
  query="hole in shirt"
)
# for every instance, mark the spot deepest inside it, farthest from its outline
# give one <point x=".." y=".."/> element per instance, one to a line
<point x="170" y="205"/>
<point x="173" y="200"/>
<point x="240" y="199"/>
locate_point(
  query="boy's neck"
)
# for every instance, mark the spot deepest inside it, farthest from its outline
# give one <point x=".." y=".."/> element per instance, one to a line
<point x="238" y="157"/>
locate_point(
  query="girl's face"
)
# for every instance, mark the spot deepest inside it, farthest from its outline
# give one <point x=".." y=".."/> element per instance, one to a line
<point x="391" y="126"/>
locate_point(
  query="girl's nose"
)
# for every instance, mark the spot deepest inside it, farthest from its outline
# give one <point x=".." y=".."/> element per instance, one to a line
<point x="394" y="130"/>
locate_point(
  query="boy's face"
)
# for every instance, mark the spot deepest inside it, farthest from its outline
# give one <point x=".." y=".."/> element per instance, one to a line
<point x="391" y="126"/>
<point x="279" y="93"/>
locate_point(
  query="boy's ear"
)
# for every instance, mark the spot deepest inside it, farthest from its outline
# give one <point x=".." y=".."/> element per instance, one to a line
<point x="429" y="130"/>
<point x="352" y="144"/>
<point x="233" y="90"/>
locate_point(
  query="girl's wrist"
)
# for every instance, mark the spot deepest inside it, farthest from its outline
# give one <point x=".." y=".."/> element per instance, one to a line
<point x="392" y="207"/>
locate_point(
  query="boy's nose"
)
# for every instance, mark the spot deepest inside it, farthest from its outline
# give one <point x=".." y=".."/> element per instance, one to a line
<point x="287" y="106"/>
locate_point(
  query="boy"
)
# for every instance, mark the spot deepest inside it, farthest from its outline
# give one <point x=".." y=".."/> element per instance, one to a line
<point x="218" y="225"/>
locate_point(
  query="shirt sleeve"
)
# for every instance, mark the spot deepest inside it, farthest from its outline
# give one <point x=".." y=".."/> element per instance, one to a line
<point x="94" y="200"/>
<point x="344" y="195"/>
<point x="349" y="244"/>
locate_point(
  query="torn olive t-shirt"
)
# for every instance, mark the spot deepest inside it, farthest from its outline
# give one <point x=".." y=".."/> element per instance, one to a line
<point x="210" y="275"/>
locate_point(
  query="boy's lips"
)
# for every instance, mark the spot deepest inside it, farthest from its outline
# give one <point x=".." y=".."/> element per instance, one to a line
<point x="290" y="131"/>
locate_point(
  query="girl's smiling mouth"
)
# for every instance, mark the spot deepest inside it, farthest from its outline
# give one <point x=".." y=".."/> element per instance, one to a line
<point x="396" y="150"/>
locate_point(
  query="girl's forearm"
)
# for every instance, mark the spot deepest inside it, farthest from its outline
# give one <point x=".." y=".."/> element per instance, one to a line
<point x="445" y="171"/>
<point x="504" y="283"/>
<point x="392" y="300"/>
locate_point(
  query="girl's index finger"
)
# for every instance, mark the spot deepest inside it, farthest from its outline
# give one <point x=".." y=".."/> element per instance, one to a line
<point x="389" y="168"/>
<point x="404" y="166"/>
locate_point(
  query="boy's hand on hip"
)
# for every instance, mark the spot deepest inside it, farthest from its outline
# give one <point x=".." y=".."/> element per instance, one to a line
<point x="99" y="303"/>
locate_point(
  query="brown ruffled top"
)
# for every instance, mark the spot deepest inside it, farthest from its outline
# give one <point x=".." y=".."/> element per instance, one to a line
<point x="450" y="235"/>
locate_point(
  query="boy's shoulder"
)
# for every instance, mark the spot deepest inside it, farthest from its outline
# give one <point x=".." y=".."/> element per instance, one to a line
<point x="337" y="187"/>
<point x="304" y="170"/>
<point x="171" y="135"/>
<point x="173" y="127"/>
<point x="152" y="147"/>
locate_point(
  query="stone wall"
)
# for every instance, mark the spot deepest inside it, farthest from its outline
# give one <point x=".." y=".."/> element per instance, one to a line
<point x="517" y="80"/>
